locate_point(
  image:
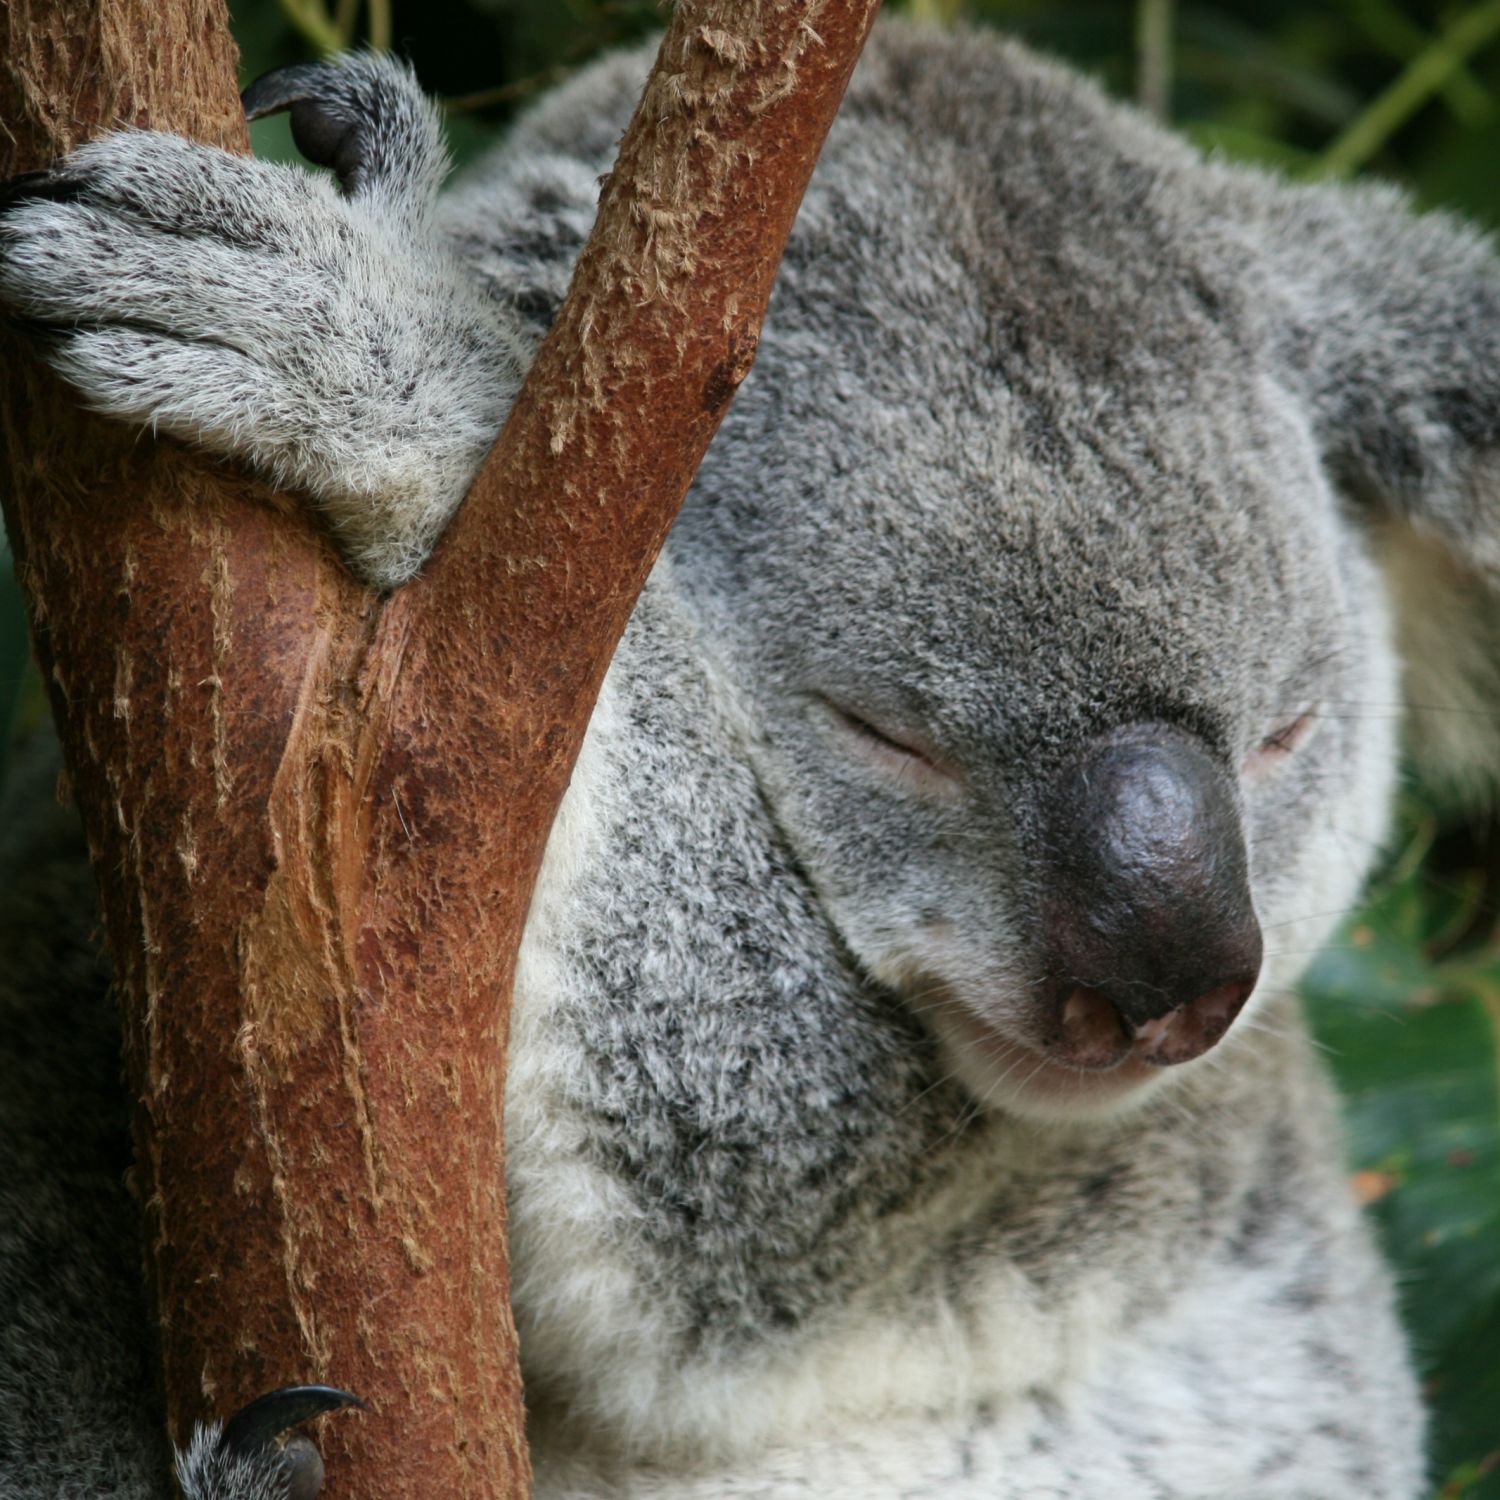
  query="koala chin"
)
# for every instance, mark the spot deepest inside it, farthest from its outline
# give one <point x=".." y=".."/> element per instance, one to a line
<point x="909" y="1097"/>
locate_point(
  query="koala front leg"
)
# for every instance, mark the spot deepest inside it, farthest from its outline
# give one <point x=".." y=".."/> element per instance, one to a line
<point x="323" y="334"/>
<point x="240" y="1461"/>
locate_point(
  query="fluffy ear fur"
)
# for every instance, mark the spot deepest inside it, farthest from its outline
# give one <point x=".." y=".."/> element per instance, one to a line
<point x="1393" y="335"/>
<point x="1448" y="632"/>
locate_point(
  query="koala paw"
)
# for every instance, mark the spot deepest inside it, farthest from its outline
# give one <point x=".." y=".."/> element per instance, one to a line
<point x="323" y="334"/>
<point x="242" y="1461"/>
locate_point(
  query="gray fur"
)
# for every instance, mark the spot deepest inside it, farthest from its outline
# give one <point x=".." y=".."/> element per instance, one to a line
<point x="1055" y="428"/>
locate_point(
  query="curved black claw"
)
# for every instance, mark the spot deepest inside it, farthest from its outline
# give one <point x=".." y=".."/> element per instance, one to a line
<point x="51" y="184"/>
<point x="327" y="131"/>
<point x="283" y="87"/>
<point x="252" y="1428"/>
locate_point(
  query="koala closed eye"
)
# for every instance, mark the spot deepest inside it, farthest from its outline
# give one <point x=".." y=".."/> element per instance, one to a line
<point x="1283" y="741"/>
<point x="905" y="755"/>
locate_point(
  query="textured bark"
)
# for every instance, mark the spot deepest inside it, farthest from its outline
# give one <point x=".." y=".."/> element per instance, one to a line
<point x="316" y="815"/>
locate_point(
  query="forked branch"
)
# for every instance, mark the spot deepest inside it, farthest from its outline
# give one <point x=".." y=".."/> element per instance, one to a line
<point x="316" y="814"/>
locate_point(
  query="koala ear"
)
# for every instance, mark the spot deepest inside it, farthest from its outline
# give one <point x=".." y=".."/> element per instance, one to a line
<point x="1392" y="335"/>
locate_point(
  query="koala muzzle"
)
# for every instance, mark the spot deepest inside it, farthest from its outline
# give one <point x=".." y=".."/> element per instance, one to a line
<point x="1152" y="943"/>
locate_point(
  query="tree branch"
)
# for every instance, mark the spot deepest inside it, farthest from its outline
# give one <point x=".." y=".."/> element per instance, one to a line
<point x="316" y="815"/>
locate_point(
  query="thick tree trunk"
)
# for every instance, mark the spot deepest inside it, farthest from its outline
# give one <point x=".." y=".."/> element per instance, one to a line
<point x="316" y="814"/>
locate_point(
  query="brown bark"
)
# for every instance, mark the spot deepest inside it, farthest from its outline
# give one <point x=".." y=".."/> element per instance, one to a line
<point x="315" y="814"/>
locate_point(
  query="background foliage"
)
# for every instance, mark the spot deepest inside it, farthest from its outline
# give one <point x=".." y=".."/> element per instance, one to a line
<point x="1407" y="1000"/>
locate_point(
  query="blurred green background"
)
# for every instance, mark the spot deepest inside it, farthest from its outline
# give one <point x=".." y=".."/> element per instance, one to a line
<point x="1407" y="1000"/>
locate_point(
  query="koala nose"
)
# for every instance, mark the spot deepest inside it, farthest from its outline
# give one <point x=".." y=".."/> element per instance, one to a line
<point x="1151" y="936"/>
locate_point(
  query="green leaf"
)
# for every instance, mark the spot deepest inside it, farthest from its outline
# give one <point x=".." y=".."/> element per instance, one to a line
<point x="1415" y="1045"/>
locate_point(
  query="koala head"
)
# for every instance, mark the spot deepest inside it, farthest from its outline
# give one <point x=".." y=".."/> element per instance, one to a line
<point x="1068" y="664"/>
<point x="1063" y="741"/>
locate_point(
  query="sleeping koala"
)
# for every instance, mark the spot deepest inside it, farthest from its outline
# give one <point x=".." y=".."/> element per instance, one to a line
<point x="908" y="1097"/>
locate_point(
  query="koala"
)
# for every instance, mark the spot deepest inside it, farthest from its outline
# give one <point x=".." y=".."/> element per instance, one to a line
<point x="909" y="1096"/>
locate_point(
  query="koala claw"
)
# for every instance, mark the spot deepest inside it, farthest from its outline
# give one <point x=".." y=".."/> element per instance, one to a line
<point x="249" y="1432"/>
<point x="361" y="115"/>
<point x="281" y="88"/>
<point x="254" y="1425"/>
<point x="243" y="1462"/>
<point x="325" y="132"/>
<point x="48" y="184"/>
